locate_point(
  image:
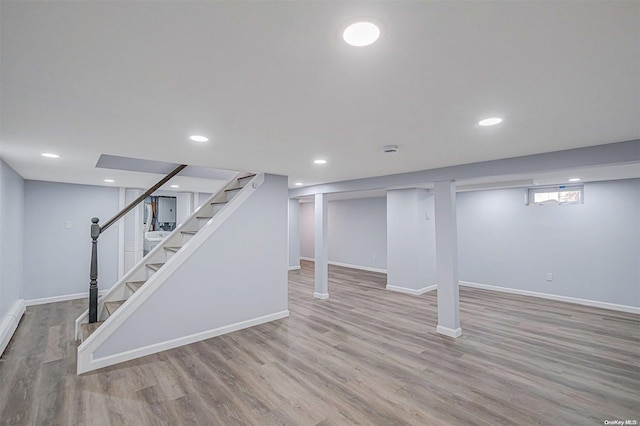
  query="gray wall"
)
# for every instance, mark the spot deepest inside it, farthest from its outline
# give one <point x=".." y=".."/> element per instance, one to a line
<point x="56" y="260"/>
<point x="592" y="249"/>
<point x="410" y="239"/>
<point x="11" y="237"/>
<point x="357" y="232"/>
<point x="239" y="274"/>
<point x="307" y="238"/>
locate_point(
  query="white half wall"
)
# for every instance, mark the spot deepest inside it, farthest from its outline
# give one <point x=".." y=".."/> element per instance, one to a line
<point x="237" y="278"/>
<point x="11" y="252"/>
<point x="57" y="248"/>
<point x="592" y="250"/>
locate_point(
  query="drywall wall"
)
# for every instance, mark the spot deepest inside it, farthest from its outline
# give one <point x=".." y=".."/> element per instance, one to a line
<point x="592" y="249"/>
<point x="307" y="235"/>
<point x="294" y="234"/>
<point x="57" y="257"/>
<point x="411" y="265"/>
<point x="237" y="276"/>
<point x="11" y="238"/>
<point x="357" y="232"/>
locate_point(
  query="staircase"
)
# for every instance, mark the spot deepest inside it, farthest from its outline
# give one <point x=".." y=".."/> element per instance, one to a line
<point x="121" y="295"/>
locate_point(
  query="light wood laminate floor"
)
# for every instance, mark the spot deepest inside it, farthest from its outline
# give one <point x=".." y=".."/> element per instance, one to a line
<point x="364" y="356"/>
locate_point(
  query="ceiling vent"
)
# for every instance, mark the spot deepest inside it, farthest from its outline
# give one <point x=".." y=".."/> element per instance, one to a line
<point x="390" y="149"/>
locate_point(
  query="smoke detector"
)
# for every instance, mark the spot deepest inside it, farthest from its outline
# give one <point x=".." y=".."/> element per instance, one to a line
<point x="390" y="149"/>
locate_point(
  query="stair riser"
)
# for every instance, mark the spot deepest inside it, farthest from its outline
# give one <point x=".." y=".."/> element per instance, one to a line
<point x="203" y="222"/>
<point x="185" y="238"/>
<point x="245" y="180"/>
<point x="231" y="194"/>
<point x="169" y="254"/>
<point x="217" y="208"/>
<point x="150" y="272"/>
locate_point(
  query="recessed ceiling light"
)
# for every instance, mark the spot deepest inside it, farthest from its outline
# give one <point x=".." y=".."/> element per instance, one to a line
<point x="361" y="34"/>
<point x="175" y="186"/>
<point x="574" y="180"/>
<point x="490" y="121"/>
<point x="320" y="161"/>
<point x="109" y="180"/>
<point x="198" y="138"/>
<point x="298" y="184"/>
<point x="50" y="155"/>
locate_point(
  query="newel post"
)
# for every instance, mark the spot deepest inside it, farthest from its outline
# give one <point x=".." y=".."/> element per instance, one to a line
<point x="93" y="284"/>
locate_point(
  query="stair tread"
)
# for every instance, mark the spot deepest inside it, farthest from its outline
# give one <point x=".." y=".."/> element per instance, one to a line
<point x="233" y="189"/>
<point x="154" y="266"/>
<point x="204" y="217"/>
<point x="89" y="328"/>
<point x="219" y="202"/>
<point x="189" y="232"/>
<point x="112" y="306"/>
<point x="247" y="177"/>
<point x="135" y="285"/>
<point x="173" y="248"/>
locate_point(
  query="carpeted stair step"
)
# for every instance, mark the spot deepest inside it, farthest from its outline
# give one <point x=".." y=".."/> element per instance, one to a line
<point x="88" y="329"/>
<point x="135" y="285"/>
<point x="154" y="266"/>
<point x="111" y="307"/>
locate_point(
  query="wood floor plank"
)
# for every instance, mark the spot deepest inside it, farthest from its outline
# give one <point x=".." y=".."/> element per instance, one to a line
<point x="364" y="356"/>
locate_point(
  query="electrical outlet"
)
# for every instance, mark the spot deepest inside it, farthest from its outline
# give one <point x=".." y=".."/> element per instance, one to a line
<point x="549" y="276"/>
<point x="67" y="224"/>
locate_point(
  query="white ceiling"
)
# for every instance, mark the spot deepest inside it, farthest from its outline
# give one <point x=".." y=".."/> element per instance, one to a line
<point x="274" y="86"/>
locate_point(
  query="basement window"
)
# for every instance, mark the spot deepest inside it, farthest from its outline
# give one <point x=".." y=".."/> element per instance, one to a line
<point x="563" y="194"/>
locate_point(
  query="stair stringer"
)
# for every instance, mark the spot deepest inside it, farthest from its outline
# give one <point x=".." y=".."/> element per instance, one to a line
<point x="138" y="272"/>
<point x="231" y="275"/>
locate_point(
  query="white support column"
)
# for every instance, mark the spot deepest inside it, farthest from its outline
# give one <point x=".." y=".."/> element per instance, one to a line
<point x="321" y="248"/>
<point x="196" y="201"/>
<point x="121" y="234"/>
<point x="133" y="231"/>
<point x="184" y="207"/>
<point x="447" y="259"/>
<point x="294" y="234"/>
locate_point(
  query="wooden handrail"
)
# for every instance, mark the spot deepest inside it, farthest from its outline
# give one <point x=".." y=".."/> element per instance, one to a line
<point x="138" y="200"/>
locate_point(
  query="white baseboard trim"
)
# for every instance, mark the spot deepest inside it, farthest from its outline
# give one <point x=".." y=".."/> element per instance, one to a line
<point x="10" y="322"/>
<point x="63" y="298"/>
<point x="450" y="332"/>
<point x="294" y="268"/>
<point x="321" y="296"/>
<point x="362" y="268"/>
<point x="415" y="292"/>
<point x="349" y="265"/>
<point x="585" y="302"/>
<point x="96" y="363"/>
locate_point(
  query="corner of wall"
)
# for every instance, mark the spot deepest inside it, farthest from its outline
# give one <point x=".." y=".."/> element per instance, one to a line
<point x="10" y="323"/>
